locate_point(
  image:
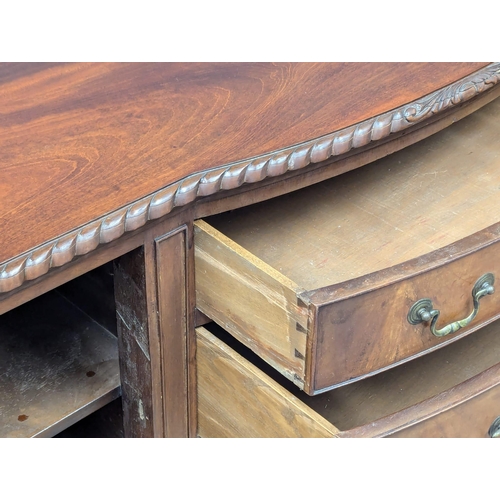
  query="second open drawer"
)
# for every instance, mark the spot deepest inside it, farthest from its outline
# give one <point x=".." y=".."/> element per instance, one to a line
<point x="320" y="282"/>
<point x="453" y="392"/>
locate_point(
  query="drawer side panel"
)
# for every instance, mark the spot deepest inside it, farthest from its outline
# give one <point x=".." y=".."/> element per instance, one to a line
<point x="252" y="301"/>
<point x="236" y="399"/>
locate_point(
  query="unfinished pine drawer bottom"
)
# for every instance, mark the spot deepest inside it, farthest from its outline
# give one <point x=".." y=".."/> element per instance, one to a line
<point x="454" y="392"/>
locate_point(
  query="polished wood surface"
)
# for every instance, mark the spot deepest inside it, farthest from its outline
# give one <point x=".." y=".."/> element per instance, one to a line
<point x="271" y="187"/>
<point x="81" y="140"/>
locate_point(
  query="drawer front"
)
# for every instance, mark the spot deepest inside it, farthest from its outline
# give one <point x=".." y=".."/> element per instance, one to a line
<point x="468" y="410"/>
<point x="471" y="419"/>
<point x="368" y="330"/>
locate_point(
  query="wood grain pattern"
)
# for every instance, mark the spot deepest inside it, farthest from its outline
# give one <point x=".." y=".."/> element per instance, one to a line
<point x="124" y="101"/>
<point x="136" y="324"/>
<point x="470" y="419"/>
<point x="171" y="267"/>
<point x="253" y="301"/>
<point x="235" y="399"/>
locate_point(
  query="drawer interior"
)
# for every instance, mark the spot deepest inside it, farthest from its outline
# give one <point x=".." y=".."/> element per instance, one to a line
<point x="406" y="205"/>
<point x="59" y="357"/>
<point x="371" y="399"/>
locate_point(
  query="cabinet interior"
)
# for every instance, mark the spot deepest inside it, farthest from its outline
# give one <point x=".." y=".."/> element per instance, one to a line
<point x="59" y="357"/>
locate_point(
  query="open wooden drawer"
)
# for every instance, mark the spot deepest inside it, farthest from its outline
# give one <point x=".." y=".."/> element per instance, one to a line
<point x="453" y="392"/>
<point x="320" y="283"/>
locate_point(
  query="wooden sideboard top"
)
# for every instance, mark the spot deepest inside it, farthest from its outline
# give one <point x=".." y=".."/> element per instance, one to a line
<point x="91" y="151"/>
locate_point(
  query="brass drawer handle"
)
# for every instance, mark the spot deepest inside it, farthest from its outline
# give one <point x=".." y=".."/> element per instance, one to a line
<point x="494" y="431"/>
<point x="422" y="310"/>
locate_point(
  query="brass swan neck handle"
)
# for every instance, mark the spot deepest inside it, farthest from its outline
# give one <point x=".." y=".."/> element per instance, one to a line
<point x="494" y="430"/>
<point x="423" y="310"/>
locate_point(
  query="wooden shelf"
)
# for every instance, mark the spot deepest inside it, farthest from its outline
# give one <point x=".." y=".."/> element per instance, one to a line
<point x="57" y="366"/>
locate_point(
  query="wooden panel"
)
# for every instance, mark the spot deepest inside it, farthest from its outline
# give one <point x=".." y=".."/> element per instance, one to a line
<point x="137" y="327"/>
<point x="235" y="399"/>
<point x="58" y="366"/>
<point x="172" y="297"/>
<point x="251" y="300"/>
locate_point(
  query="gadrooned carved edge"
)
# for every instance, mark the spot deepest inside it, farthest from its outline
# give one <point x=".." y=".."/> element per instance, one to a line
<point x="64" y="249"/>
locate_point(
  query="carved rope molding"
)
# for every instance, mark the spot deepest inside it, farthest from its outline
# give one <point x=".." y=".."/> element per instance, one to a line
<point x="64" y="249"/>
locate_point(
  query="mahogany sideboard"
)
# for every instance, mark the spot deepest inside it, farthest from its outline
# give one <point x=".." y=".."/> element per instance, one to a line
<point x="250" y="249"/>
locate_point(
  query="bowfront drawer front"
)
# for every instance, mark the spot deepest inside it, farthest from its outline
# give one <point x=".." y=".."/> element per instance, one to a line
<point x="476" y="417"/>
<point x="453" y="392"/>
<point x="365" y="325"/>
<point x="320" y="283"/>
